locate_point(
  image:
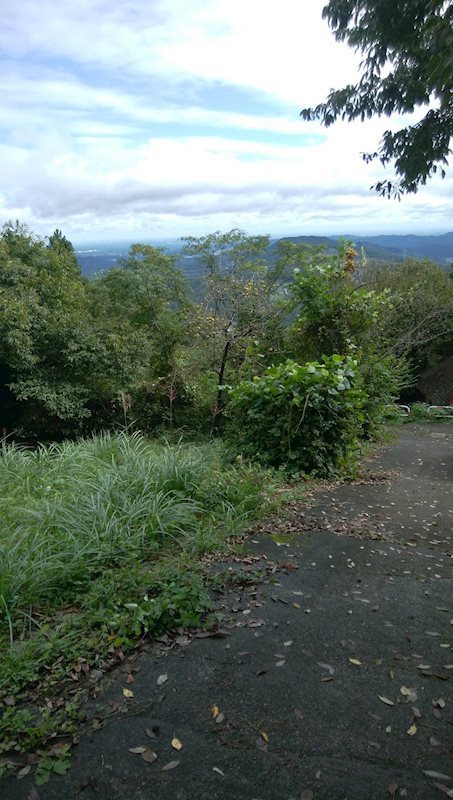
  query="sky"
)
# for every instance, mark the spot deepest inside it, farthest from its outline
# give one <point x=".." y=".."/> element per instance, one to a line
<point x="151" y="119"/>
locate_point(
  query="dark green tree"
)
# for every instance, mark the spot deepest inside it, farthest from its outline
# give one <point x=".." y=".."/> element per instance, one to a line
<point x="408" y="63"/>
<point x="148" y="292"/>
<point x="59" y="242"/>
<point x="61" y="367"/>
<point x="419" y="322"/>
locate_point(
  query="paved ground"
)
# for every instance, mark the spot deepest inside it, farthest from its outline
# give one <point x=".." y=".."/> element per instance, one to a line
<point x="335" y="681"/>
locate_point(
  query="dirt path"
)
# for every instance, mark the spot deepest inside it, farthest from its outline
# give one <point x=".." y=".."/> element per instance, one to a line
<point x="335" y="681"/>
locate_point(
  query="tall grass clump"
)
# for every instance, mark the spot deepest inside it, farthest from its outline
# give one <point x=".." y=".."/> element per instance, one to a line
<point x="72" y="512"/>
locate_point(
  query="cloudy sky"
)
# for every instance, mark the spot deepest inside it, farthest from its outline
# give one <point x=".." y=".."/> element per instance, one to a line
<point x="160" y="118"/>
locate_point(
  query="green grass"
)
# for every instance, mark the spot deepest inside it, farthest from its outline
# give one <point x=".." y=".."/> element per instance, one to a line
<point x="100" y="543"/>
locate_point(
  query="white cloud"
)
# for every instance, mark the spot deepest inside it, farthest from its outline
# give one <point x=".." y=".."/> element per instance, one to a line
<point x="135" y="114"/>
<point x="283" y="49"/>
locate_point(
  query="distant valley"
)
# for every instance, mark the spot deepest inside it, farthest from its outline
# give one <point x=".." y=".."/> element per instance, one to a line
<point x="100" y="256"/>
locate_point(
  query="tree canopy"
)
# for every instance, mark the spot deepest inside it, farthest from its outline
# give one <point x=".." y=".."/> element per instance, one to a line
<point x="134" y="346"/>
<point x="408" y="63"/>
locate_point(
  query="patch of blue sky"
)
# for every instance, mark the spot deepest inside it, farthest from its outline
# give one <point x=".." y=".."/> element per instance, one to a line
<point x="141" y="131"/>
<point x="180" y="90"/>
<point x="240" y="100"/>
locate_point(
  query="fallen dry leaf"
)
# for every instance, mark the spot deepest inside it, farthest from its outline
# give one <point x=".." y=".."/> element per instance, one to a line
<point x="162" y="679"/>
<point x="329" y="669"/>
<point x="215" y="711"/>
<point x="432" y="774"/>
<point x="261" y="744"/>
<point x="23" y="772"/>
<point x="140" y="749"/>
<point x="386" y="700"/>
<point x="128" y="693"/>
<point x="264" y="735"/>
<point x="149" y="755"/>
<point x="412" y="730"/>
<point x="219" y="718"/>
<point x="444" y="789"/>
<point x="356" y="662"/>
<point x="409" y="694"/>
<point x="176" y="744"/>
<point x="169" y="766"/>
<point x="219" y="771"/>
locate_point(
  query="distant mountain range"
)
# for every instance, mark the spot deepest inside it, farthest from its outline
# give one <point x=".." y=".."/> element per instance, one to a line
<point x="100" y="256"/>
<point x="391" y="248"/>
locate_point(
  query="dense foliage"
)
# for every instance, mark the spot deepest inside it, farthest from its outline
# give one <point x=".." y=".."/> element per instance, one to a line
<point x="134" y="348"/>
<point x="407" y="50"/>
<point x="304" y="418"/>
<point x="60" y="367"/>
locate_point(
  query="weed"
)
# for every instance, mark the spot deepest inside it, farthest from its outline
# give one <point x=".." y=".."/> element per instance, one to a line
<point x="101" y="544"/>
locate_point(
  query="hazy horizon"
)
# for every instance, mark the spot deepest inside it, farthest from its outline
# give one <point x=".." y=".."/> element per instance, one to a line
<point x="78" y="243"/>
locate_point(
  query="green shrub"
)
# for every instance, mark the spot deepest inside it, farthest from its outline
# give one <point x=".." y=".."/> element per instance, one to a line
<point x="420" y="413"/>
<point x="305" y="418"/>
<point x="382" y="380"/>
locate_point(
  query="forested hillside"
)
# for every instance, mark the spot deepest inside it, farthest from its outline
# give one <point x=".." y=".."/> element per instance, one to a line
<point x="135" y="346"/>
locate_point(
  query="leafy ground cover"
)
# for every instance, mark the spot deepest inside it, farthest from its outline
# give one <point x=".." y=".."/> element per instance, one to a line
<point x="101" y="543"/>
<point x="420" y="412"/>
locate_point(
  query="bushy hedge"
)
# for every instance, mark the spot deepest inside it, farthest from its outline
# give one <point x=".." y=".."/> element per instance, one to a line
<point x="306" y="418"/>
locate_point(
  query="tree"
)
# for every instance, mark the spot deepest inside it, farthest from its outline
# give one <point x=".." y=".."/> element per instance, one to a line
<point x="61" y="367"/>
<point x="239" y="315"/>
<point x="407" y="47"/>
<point x="59" y="242"/>
<point x="419" y="324"/>
<point x="149" y="293"/>
<point x="148" y="296"/>
<point x="336" y="314"/>
<point x="41" y="302"/>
